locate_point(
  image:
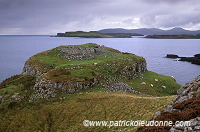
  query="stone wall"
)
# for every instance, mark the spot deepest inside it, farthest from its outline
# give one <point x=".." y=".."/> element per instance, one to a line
<point x="83" y="53"/>
<point x="45" y="88"/>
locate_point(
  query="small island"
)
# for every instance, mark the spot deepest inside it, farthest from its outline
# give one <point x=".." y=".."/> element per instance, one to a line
<point x="181" y="36"/>
<point x="193" y="60"/>
<point x="95" y="34"/>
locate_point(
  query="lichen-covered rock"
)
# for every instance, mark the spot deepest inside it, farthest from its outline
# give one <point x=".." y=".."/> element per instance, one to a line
<point x="31" y="70"/>
<point x="187" y="91"/>
<point x="193" y="126"/>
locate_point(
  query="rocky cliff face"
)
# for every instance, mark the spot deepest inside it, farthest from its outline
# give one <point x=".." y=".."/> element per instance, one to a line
<point x="31" y="70"/>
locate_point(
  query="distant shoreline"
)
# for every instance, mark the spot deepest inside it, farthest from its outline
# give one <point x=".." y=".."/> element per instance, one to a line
<point x="182" y="36"/>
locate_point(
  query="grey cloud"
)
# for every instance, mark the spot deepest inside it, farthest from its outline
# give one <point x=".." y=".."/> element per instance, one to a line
<point x="40" y="15"/>
<point x="168" y="1"/>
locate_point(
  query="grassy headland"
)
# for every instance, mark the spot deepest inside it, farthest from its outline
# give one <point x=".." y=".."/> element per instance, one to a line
<point x="19" y="111"/>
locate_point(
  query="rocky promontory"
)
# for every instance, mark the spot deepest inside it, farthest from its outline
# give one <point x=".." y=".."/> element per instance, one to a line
<point x="67" y="69"/>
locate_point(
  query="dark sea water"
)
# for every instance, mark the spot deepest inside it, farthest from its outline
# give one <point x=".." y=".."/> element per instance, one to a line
<point x="15" y="50"/>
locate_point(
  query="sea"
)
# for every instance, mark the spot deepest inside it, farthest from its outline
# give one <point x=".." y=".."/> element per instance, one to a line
<point x="15" y="50"/>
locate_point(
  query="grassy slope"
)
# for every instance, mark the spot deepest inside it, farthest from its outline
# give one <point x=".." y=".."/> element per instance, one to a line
<point x="157" y="89"/>
<point x="91" y="104"/>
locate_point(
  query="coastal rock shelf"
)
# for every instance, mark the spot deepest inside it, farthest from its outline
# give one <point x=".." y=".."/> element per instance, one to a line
<point x="193" y="60"/>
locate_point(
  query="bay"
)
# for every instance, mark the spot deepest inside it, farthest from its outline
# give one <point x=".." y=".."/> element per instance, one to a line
<point x="15" y="50"/>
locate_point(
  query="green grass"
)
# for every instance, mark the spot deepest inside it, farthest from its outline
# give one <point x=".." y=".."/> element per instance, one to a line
<point x="20" y="84"/>
<point x="10" y="89"/>
<point x="91" y="104"/>
<point x="157" y="90"/>
<point x="49" y="59"/>
<point x="61" y="74"/>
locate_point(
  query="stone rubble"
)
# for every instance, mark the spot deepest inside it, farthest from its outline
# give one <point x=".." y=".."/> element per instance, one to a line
<point x="121" y="87"/>
<point x="184" y="93"/>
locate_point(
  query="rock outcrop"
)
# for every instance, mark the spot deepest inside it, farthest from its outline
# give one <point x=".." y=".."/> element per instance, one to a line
<point x="188" y="91"/>
<point x="45" y="88"/>
<point x="185" y="107"/>
<point x="31" y="70"/>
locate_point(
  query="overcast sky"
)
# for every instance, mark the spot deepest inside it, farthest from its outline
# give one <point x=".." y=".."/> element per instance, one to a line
<point x="52" y="16"/>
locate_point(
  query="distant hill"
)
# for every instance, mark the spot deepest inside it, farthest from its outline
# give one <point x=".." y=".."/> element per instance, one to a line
<point x="151" y="31"/>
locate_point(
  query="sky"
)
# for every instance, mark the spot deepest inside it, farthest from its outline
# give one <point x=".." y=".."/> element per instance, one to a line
<point x="53" y="16"/>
